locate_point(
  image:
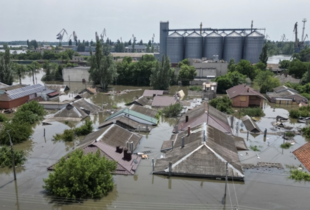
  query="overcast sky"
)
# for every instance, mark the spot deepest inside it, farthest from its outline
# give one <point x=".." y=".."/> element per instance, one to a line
<point x="43" y="19"/>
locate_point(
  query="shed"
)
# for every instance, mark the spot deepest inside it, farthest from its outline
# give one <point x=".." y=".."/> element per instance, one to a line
<point x="250" y="124"/>
<point x="163" y="101"/>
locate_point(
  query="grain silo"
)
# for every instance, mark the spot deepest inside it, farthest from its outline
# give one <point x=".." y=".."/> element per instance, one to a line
<point x="233" y="45"/>
<point x="253" y="46"/>
<point x="193" y="46"/>
<point x="175" y="47"/>
<point x="213" y="45"/>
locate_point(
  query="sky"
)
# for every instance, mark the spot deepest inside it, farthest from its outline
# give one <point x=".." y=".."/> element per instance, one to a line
<point x="43" y="19"/>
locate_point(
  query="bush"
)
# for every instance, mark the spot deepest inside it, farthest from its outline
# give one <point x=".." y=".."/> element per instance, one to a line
<point x="25" y="117"/>
<point x="34" y="107"/>
<point x="195" y="88"/>
<point x="222" y="104"/>
<point x="294" y="113"/>
<point x="289" y="134"/>
<point x="6" y="157"/>
<point x="301" y="112"/>
<point x="253" y="112"/>
<point x="254" y="148"/>
<point x="3" y="118"/>
<point x="81" y="176"/>
<point x="84" y="129"/>
<point x="68" y="135"/>
<point x="299" y="175"/>
<point x="286" y="145"/>
<point x="19" y="132"/>
<point x="306" y="132"/>
<point x="172" y="110"/>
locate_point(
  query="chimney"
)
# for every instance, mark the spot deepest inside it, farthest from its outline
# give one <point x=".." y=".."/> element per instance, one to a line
<point x="186" y="118"/>
<point x="176" y="129"/>
<point x="172" y="144"/>
<point x="131" y="147"/>
<point x="125" y="153"/>
<point x="189" y="130"/>
<point x="248" y="90"/>
<point x="117" y="148"/>
<point x="128" y="156"/>
<point x="183" y="141"/>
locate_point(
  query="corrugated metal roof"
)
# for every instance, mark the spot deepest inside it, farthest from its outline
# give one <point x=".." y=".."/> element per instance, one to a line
<point x="135" y="114"/>
<point x="25" y="91"/>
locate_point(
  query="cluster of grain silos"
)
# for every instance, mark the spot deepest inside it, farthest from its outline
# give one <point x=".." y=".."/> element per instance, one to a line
<point x="237" y="44"/>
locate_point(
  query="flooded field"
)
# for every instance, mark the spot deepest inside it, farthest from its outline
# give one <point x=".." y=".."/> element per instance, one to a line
<point x="262" y="189"/>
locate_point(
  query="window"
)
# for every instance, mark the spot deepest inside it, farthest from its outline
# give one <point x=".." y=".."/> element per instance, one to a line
<point x="242" y="98"/>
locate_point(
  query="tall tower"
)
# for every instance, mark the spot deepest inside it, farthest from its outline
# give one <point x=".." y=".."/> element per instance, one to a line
<point x="163" y="34"/>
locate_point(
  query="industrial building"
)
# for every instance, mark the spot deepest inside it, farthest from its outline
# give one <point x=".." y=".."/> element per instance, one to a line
<point x="225" y="44"/>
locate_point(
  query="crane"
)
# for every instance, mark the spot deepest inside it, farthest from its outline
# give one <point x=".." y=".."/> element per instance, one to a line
<point x="69" y="37"/>
<point x="296" y="34"/>
<point x="133" y="42"/>
<point x="153" y="38"/>
<point x="103" y="34"/>
<point x="60" y="35"/>
<point x="305" y="38"/>
<point x="303" y="29"/>
<point x="97" y="37"/>
<point x="75" y="37"/>
<point x="283" y="38"/>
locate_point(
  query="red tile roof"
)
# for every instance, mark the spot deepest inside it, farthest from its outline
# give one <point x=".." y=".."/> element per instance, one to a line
<point x="303" y="155"/>
<point x="242" y="90"/>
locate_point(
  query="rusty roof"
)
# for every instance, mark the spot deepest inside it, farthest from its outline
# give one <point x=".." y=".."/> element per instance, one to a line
<point x="303" y="155"/>
<point x="162" y="101"/>
<point x="151" y="93"/>
<point x="243" y="90"/>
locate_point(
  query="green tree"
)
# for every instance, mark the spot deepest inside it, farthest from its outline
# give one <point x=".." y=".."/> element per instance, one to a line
<point x="183" y="62"/>
<point x="263" y="76"/>
<point x="269" y="84"/>
<point x="264" y="55"/>
<point x="245" y="67"/>
<point x="6" y="68"/>
<point x="19" y="71"/>
<point x="260" y="65"/>
<point x="187" y="74"/>
<point x="229" y="80"/>
<point x="284" y="64"/>
<point x="6" y="157"/>
<point x="19" y="132"/>
<point x="102" y="68"/>
<point x="231" y="65"/>
<point x="161" y="74"/>
<point x="81" y="176"/>
<point x="223" y="104"/>
<point x="297" y="68"/>
<point x="33" y="67"/>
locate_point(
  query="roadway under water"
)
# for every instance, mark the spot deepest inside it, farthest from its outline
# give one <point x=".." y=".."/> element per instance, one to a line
<point x="262" y="189"/>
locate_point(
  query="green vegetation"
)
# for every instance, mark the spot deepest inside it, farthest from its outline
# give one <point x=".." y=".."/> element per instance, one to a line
<point x="3" y="118"/>
<point x="269" y="84"/>
<point x="84" y="129"/>
<point x="6" y="68"/>
<point x="299" y="175"/>
<point x="298" y="68"/>
<point x="264" y="55"/>
<point x="6" y="157"/>
<point x="20" y="127"/>
<point x="162" y="74"/>
<point x="81" y="176"/>
<point x="67" y="135"/>
<point x="172" y="110"/>
<point x="301" y="112"/>
<point x="195" y="88"/>
<point x="229" y="80"/>
<point x="289" y="134"/>
<point x="253" y="112"/>
<point x="159" y="113"/>
<point x="222" y="104"/>
<point x="102" y="67"/>
<point x="303" y="55"/>
<point x="53" y="72"/>
<point x="277" y="48"/>
<point x="286" y="145"/>
<point x="254" y="148"/>
<point x="187" y="73"/>
<point x="306" y="132"/>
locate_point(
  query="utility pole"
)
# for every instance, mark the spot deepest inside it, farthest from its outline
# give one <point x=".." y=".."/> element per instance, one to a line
<point x="226" y="180"/>
<point x="13" y="158"/>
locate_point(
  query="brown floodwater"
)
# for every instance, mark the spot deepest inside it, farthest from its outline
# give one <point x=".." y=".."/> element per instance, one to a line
<point x="262" y="189"/>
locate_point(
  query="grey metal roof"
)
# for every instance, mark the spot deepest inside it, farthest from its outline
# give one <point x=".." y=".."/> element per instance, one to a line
<point x="250" y="124"/>
<point x="175" y="34"/>
<point x="223" y="34"/>
<point x="194" y="34"/>
<point x="235" y="34"/>
<point x="25" y="91"/>
<point x="256" y="33"/>
<point x="214" y="34"/>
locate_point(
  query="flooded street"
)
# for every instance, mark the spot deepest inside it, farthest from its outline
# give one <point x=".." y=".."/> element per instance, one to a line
<point x="262" y="189"/>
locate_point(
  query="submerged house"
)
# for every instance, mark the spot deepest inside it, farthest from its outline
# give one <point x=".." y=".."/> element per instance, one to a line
<point x="303" y="155"/>
<point x="285" y="95"/>
<point x="244" y="96"/>
<point x="141" y="101"/>
<point x="114" y="143"/>
<point x="143" y="110"/>
<point x="59" y="88"/>
<point x="203" y="152"/>
<point x="163" y="101"/>
<point x="77" y="110"/>
<point x="153" y="93"/>
<point x="17" y="95"/>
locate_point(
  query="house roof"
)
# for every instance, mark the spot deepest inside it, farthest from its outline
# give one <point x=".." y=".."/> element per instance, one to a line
<point x="151" y="93"/>
<point x="59" y="88"/>
<point x="134" y="114"/>
<point x="303" y="155"/>
<point x="141" y="101"/>
<point x="112" y="135"/>
<point x="21" y="92"/>
<point x="282" y="88"/>
<point x="243" y="90"/>
<point x="2" y="85"/>
<point x="250" y="124"/>
<point x="126" y="123"/>
<point x="239" y="143"/>
<point x="163" y="101"/>
<point x="82" y="103"/>
<point x="203" y="159"/>
<point x="12" y="87"/>
<point x="144" y="110"/>
<point x="285" y="94"/>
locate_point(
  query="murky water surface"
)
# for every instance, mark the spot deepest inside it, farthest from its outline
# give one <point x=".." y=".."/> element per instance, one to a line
<point x="262" y="189"/>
